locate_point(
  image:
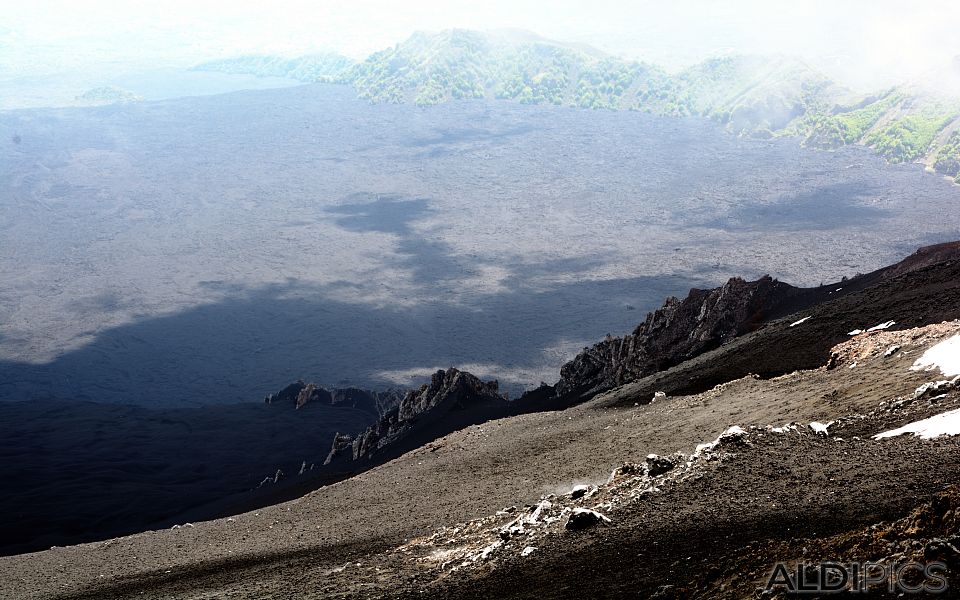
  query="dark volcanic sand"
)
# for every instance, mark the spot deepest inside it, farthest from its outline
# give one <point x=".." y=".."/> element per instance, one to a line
<point x="333" y="542"/>
<point x="210" y="250"/>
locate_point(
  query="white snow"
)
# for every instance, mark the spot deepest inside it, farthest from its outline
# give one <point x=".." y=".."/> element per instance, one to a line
<point x="936" y="386"/>
<point x="945" y="355"/>
<point x="820" y="428"/>
<point x="528" y="551"/>
<point x="795" y="323"/>
<point x="947" y="423"/>
<point x="735" y="431"/>
<point x="784" y="429"/>
<point x="884" y="325"/>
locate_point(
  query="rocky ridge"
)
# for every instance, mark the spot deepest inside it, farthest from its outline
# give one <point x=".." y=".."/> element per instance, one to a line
<point x="485" y="554"/>
<point x="708" y="319"/>
<point x="300" y="394"/>
<point x="452" y="399"/>
<point x="675" y="530"/>
<point x="680" y="330"/>
<point x="676" y="333"/>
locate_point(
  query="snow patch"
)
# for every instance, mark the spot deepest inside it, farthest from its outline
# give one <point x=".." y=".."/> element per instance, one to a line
<point x="884" y="325"/>
<point x="820" y="428"/>
<point x="936" y="386"/>
<point x="947" y="423"/>
<point x="803" y="320"/>
<point x="881" y="326"/>
<point x="733" y="432"/>
<point x="528" y="551"/>
<point x="784" y="428"/>
<point x="945" y="355"/>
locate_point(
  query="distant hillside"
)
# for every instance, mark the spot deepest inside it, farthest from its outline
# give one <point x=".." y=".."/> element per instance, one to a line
<point x="901" y="125"/>
<point x="433" y="68"/>
<point x="754" y="95"/>
<point x="758" y="94"/>
<point x="106" y="95"/>
<point x="310" y="68"/>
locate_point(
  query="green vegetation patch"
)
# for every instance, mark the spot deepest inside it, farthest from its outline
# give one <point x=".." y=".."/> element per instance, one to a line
<point x="909" y="137"/>
<point x="760" y="96"/>
<point x="947" y="159"/>
<point x="843" y="127"/>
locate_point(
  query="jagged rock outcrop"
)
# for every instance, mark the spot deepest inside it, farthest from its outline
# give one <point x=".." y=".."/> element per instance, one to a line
<point x="341" y="442"/>
<point x="299" y="394"/>
<point x="681" y="329"/>
<point x="452" y="400"/>
<point x="287" y="395"/>
<point x="706" y="319"/>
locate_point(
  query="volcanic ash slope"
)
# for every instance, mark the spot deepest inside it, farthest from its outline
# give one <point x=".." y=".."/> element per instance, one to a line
<point x="487" y="511"/>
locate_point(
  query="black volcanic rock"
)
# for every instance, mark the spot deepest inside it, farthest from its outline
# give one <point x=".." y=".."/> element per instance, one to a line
<point x="584" y="518"/>
<point x="680" y="330"/>
<point x="341" y="442"/>
<point x="382" y="401"/>
<point x="287" y="395"/>
<point x="299" y="394"/>
<point x="452" y="400"/>
<point x="707" y="319"/>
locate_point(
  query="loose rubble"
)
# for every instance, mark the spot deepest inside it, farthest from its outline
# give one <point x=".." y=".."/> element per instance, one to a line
<point x="887" y="344"/>
<point x="514" y="532"/>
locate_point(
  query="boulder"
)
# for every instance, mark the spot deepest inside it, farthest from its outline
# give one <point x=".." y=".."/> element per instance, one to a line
<point x="584" y="518"/>
<point x="658" y="465"/>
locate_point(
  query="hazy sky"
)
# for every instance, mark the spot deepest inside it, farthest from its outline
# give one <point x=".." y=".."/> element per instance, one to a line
<point x="868" y="41"/>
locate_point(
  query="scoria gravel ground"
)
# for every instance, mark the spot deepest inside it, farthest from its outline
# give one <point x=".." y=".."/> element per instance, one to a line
<point x="374" y="535"/>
